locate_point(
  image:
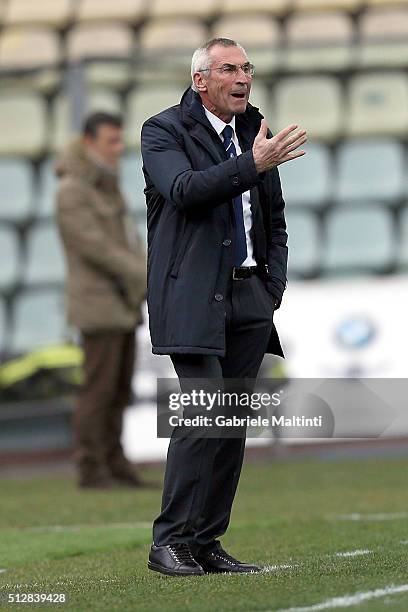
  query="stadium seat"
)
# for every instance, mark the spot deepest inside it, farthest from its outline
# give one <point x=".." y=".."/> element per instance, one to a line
<point x="386" y="2"/>
<point x="15" y="190"/>
<point x="55" y="13"/>
<point x="166" y="47"/>
<point x="62" y="132"/>
<point x="308" y="181"/>
<point x="45" y="205"/>
<point x="259" y="35"/>
<point x="44" y="256"/>
<point x="142" y="226"/>
<point x="369" y="170"/>
<point x="110" y="45"/>
<point x="104" y="99"/>
<point x="319" y="41"/>
<point x="39" y="319"/>
<point x="132" y="182"/>
<point x="260" y="97"/>
<point x="130" y="11"/>
<point x="359" y="239"/>
<point x="2" y="10"/>
<point x="384" y="38"/>
<point x="304" y="243"/>
<point x="323" y="5"/>
<point x="315" y="103"/>
<point x="23" y="124"/>
<point x="378" y="104"/>
<point x="402" y="257"/>
<point x="183" y="8"/>
<point x="235" y="7"/>
<point x="9" y="257"/>
<point x="144" y="103"/>
<point x="30" y="48"/>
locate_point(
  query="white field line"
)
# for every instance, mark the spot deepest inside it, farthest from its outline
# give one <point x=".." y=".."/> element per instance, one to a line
<point x="351" y="600"/>
<point x="2" y="571"/>
<point x="354" y="553"/>
<point x="381" y="516"/>
<point x="74" y="528"/>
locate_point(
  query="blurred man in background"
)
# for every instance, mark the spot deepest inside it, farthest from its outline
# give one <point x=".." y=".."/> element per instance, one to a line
<point x="106" y="286"/>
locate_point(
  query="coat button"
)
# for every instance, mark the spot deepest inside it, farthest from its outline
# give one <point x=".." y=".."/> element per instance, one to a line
<point x="219" y="297"/>
<point x="226" y="242"/>
<point x="235" y="180"/>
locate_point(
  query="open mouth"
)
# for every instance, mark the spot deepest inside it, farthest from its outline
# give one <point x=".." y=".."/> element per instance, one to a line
<point x="239" y="95"/>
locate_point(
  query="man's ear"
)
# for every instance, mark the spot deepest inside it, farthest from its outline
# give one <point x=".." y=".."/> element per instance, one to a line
<point x="200" y="82"/>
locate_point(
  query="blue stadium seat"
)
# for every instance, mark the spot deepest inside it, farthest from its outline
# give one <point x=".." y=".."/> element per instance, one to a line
<point x="359" y="239"/>
<point x="15" y="190"/>
<point x="369" y="170"/>
<point x="45" y="258"/>
<point x="39" y="319"/>
<point x="9" y="257"/>
<point x="132" y="182"/>
<point x="140" y="220"/>
<point x="378" y="104"/>
<point x="307" y="181"/>
<point x="47" y="190"/>
<point x="304" y="242"/>
<point x="402" y="258"/>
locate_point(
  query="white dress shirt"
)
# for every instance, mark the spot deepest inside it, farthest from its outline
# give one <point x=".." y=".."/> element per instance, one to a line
<point x="218" y="125"/>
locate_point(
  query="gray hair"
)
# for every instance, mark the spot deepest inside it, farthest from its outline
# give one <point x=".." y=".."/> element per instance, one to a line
<point x="201" y="57"/>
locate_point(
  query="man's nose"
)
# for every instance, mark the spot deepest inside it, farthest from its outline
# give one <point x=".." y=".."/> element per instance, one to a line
<point x="241" y="77"/>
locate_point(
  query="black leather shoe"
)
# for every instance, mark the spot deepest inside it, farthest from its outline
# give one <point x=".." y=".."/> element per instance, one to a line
<point x="218" y="561"/>
<point x="174" y="560"/>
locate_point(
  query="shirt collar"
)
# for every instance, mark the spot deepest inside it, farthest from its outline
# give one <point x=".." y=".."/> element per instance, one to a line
<point x="217" y="123"/>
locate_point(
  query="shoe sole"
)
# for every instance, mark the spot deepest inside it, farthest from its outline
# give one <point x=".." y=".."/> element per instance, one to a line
<point x="167" y="572"/>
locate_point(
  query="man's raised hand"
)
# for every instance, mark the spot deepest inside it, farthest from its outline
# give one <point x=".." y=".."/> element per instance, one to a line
<point x="270" y="152"/>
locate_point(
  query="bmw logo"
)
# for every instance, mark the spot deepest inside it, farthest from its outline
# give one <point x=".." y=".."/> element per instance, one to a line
<point x="356" y="332"/>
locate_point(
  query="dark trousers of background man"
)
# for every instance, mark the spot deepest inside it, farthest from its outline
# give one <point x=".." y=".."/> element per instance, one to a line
<point x="202" y="474"/>
<point x="105" y="393"/>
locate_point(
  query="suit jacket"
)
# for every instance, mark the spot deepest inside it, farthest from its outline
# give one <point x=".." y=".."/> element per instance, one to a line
<point x="190" y="184"/>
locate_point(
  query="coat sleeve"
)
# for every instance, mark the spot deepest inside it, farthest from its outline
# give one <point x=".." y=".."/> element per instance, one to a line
<point x="277" y="247"/>
<point x="171" y="172"/>
<point x="82" y="233"/>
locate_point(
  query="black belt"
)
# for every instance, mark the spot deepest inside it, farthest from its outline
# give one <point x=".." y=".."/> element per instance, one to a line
<point x="241" y="272"/>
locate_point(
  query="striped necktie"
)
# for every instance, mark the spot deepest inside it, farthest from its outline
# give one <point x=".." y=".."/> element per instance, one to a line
<point x="240" y="253"/>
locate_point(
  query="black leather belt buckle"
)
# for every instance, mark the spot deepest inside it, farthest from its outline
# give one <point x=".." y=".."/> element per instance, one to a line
<point x="242" y="273"/>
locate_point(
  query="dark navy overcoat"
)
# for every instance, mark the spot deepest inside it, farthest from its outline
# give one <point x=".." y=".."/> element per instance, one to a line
<point x="190" y="183"/>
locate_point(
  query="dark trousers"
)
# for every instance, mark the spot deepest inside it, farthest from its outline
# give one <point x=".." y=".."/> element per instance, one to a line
<point x="105" y="393"/>
<point x="202" y="474"/>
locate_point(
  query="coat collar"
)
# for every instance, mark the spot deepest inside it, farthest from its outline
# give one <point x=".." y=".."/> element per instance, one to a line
<point x="194" y="118"/>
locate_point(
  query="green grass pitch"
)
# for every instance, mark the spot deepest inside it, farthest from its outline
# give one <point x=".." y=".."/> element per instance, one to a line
<point x="289" y="516"/>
